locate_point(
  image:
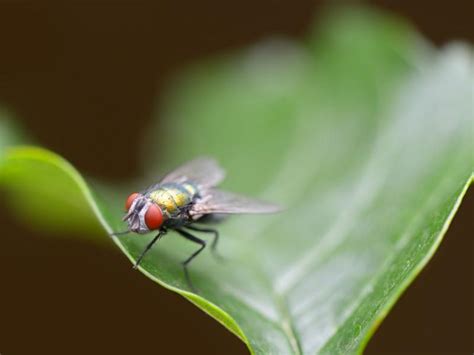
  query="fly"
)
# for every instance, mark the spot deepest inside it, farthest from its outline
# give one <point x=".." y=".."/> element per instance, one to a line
<point x="183" y="201"/>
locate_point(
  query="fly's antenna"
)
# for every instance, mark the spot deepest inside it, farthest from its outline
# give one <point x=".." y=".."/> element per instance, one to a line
<point x="116" y="234"/>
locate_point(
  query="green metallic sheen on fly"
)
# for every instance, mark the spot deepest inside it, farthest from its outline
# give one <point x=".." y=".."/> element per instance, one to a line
<point x="186" y="201"/>
<point x="173" y="197"/>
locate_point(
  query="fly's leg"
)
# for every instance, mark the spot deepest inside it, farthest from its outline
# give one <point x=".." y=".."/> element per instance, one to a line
<point x="148" y="247"/>
<point x="215" y="240"/>
<point x="185" y="263"/>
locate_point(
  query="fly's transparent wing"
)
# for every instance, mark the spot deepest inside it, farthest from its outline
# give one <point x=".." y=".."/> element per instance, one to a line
<point x="217" y="201"/>
<point x="203" y="171"/>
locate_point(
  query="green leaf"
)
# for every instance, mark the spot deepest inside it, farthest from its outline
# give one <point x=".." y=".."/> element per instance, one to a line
<point x="40" y="189"/>
<point x="364" y="134"/>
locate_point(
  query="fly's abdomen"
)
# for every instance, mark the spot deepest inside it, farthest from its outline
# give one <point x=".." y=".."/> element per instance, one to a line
<point x="172" y="198"/>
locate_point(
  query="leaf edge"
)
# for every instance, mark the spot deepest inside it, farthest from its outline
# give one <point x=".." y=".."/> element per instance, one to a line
<point x="383" y="313"/>
<point x="49" y="157"/>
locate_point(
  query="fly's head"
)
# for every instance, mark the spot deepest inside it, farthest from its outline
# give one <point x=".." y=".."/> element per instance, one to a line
<point x="143" y="215"/>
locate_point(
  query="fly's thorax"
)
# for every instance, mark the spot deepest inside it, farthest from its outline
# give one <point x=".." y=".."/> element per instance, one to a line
<point x="173" y="197"/>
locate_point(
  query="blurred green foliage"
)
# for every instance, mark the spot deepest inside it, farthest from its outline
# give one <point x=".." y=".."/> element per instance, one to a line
<point x="10" y="134"/>
<point x="364" y="133"/>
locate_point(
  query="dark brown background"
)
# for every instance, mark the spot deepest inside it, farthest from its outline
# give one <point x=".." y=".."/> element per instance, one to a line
<point x="71" y="72"/>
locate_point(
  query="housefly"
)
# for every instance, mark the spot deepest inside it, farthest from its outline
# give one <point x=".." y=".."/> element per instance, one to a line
<point x="185" y="201"/>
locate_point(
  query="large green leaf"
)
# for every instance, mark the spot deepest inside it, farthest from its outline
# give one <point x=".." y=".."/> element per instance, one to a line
<point x="364" y="134"/>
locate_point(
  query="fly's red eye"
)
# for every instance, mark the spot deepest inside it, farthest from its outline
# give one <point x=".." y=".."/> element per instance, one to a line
<point x="130" y="200"/>
<point x="153" y="217"/>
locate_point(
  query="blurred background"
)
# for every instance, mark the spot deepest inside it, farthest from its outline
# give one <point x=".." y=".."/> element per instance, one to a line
<point x="69" y="71"/>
